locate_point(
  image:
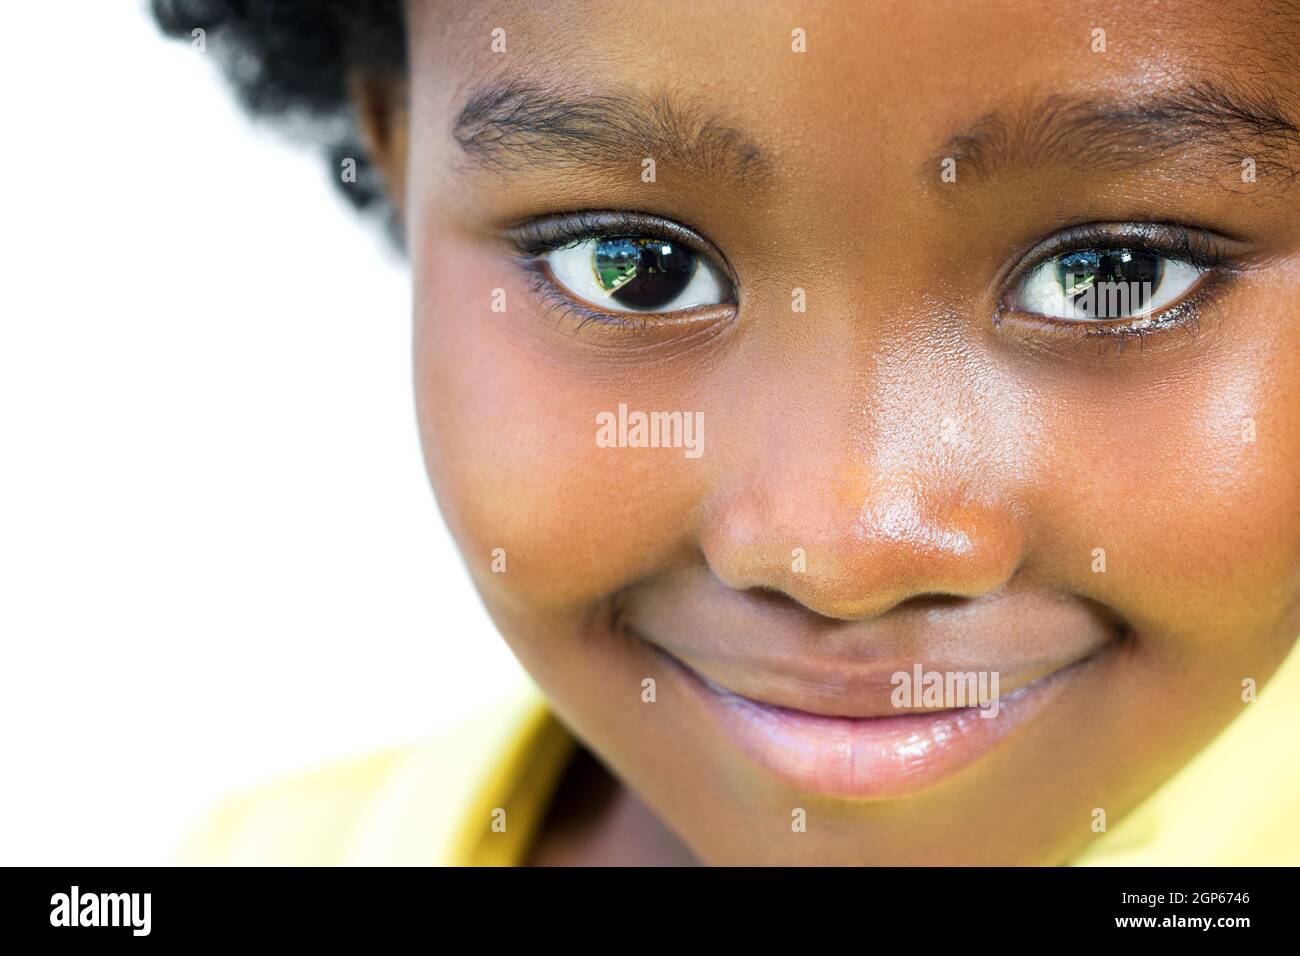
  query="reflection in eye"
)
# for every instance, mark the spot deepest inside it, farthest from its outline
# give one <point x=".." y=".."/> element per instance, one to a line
<point x="1095" y="284"/>
<point x="635" y="274"/>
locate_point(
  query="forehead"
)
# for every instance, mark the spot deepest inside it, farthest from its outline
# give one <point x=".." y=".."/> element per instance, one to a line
<point x="906" y="71"/>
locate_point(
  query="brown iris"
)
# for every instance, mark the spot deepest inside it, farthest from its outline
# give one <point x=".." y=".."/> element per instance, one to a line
<point x="642" y="273"/>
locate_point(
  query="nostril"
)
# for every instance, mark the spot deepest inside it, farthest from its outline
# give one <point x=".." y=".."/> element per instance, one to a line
<point x="772" y="596"/>
<point x="781" y="602"/>
<point x="933" y="602"/>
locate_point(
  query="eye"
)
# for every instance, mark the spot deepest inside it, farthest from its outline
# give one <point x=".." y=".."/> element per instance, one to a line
<point x="635" y="274"/>
<point x="1090" y="285"/>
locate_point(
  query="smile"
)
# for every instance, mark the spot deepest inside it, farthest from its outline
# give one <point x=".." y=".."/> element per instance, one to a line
<point x="874" y="757"/>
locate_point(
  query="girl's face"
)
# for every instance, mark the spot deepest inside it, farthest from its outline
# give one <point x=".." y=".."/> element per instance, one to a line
<point x="855" y="248"/>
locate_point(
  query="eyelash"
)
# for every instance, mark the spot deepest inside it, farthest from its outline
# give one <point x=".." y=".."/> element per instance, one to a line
<point x="1188" y="244"/>
<point x="534" y="238"/>
<point x="566" y="307"/>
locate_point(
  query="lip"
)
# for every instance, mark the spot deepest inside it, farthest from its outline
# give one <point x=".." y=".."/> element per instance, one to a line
<point x="850" y="690"/>
<point x="869" y="757"/>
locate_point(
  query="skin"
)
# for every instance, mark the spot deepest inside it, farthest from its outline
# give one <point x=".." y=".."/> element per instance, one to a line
<point x="947" y="475"/>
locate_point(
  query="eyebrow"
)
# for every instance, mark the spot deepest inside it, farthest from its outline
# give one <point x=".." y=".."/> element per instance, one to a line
<point x="1200" y="121"/>
<point x="511" y="126"/>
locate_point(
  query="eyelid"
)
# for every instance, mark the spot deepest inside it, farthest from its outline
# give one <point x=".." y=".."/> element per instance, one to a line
<point x="1201" y="247"/>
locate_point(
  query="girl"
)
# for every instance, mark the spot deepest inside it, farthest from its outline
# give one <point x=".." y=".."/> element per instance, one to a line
<point x="872" y="426"/>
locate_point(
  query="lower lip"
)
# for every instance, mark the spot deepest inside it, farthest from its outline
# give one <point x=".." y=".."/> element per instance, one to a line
<point x="875" y="757"/>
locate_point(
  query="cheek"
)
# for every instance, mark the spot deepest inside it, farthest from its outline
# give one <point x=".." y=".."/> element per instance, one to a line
<point x="508" y="420"/>
<point x="1192" y="488"/>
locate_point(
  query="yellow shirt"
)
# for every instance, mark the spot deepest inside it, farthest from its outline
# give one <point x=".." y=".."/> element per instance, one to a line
<point x="439" y="801"/>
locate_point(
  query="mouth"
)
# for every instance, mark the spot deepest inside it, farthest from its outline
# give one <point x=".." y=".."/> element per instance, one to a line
<point x="872" y="757"/>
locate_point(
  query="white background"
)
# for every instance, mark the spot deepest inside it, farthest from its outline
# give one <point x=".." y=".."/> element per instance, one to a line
<point x="220" y="560"/>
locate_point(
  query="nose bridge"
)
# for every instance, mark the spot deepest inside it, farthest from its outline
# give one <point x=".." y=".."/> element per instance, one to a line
<point x="869" y="496"/>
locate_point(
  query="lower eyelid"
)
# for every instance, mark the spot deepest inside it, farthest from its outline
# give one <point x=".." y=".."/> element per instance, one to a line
<point x="624" y="329"/>
<point x="1187" y="315"/>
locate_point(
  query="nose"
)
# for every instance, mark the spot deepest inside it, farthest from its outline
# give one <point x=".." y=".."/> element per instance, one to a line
<point x="854" y="549"/>
<point x="851" y="522"/>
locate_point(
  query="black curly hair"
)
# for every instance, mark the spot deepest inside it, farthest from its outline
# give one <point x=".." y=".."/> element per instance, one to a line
<point x="292" y="59"/>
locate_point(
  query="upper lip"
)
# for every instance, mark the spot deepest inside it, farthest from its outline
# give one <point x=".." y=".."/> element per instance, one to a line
<point x="779" y="654"/>
<point x="858" y="694"/>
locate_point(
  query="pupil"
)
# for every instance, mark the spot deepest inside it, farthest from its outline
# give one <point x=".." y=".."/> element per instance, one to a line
<point x="643" y="273"/>
<point x="1109" y="283"/>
